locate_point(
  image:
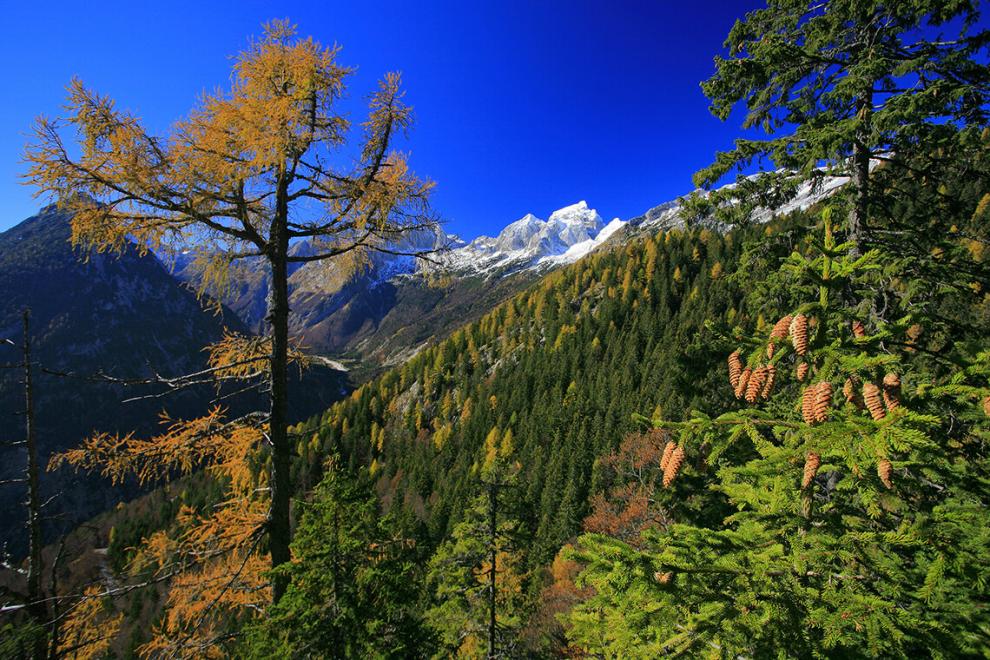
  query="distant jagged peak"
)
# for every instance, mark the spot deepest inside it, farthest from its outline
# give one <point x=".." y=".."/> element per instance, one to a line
<point x="578" y="213"/>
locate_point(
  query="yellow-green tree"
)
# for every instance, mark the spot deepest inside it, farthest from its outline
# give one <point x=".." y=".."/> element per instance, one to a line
<point x="252" y="169"/>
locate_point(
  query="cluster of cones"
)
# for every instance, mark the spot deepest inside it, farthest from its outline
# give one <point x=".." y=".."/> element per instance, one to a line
<point x="878" y="399"/>
<point x="757" y="384"/>
<point x="752" y="384"/>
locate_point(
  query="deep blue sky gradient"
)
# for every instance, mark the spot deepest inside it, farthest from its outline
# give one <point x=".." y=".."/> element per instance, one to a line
<point x="520" y="106"/>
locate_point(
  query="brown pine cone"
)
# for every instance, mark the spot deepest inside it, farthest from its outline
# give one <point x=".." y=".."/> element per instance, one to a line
<point x="859" y="330"/>
<point x="781" y="328"/>
<point x="673" y="466"/>
<point x="884" y="469"/>
<point x="811" y="463"/>
<point x="743" y="382"/>
<point x="871" y="396"/>
<point x="802" y="370"/>
<point x="799" y="334"/>
<point x="892" y="390"/>
<point x="808" y="405"/>
<point x="849" y="389"/>
<point x="768" y="386"/>
<point x="986" y="405"/>
<point x="668" y="449"/>
<point x="735" y="368"/>
<point x="755" y="385"/>
<point x="822" y="401"/>
<point x="771" y="349"/>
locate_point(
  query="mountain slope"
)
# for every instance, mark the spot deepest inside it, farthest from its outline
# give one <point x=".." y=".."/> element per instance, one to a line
<point x="125" y="316"/>
<point x="563" y="365"/>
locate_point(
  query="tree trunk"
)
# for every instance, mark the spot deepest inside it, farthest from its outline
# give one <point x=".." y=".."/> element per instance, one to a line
<point x="38" y="610"/>
<point x="860" y="172"/>
<point x="279" y="530"/>
<point x="493" y="531"/>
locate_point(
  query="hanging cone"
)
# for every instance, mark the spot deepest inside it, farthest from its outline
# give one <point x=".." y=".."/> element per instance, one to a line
<point x="743" y="382"/>
<point x="822" y="400"/>
<point x="673" y="466"/>
<point x="811" y="463"/>
<point x="735" y="368"/>
<point x="808" y="405"/>
<point x="986" y="405"/>
<point x="892" y="391"/>
<point x="781" y="328"/>
<point x="884" y="469"/>
<point x="871" y="396"/>
<point x="768" y="386"/>
<point x="851" y="393"/>
<point x="668" y="449"/>
<point x="802" y="370"/>
<point x="755" y="385"/>
<point x="859" y="330"/>
<point x="799" y="334"/>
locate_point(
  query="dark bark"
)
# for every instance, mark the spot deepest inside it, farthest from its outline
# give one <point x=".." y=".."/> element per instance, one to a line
<point x="38" y="610"/>
<point x="54" y="628"/>
<point x="861" y="182"/>
<point x="279" y="530"/>
<point x="861" y="169"/>
<point x="493" y="532"/>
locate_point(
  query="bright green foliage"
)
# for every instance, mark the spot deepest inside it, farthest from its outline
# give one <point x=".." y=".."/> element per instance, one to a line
<point x="355" y="583"/>
<point x="847" y="565"/>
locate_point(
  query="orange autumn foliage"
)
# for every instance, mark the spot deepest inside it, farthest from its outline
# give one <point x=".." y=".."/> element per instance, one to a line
<point x="634" y="473"/>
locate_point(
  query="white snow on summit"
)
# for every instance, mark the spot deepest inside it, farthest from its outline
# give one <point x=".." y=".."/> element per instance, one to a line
<point x="576" y="230"/>
<point x="529" y="240"/>
<point x="808" y="193"/>
<point x="579" y="250"/>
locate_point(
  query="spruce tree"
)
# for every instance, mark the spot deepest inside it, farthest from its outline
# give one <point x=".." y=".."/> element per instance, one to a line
<point x="858" y="485"/>
<point x="355" y="584"/>
<point x="477" y="575"/>
<point x="849" y="84"/>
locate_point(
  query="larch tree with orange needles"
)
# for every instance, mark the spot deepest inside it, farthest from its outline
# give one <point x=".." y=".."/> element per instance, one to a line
<point x="252" y="169"/>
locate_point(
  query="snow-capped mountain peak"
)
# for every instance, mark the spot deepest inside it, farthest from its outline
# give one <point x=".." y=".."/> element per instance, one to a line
<point x="573" y="231"/>
<point x="529" y="240"/>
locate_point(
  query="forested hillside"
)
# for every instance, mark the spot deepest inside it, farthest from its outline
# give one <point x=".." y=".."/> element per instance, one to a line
<point x="561" y="367"/>
<point x="733" y="435"/>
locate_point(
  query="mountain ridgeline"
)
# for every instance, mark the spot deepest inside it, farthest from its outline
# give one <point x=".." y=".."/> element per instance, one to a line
<point x="394" y="305"/>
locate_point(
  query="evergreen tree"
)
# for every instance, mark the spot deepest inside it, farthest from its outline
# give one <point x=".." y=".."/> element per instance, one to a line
<point x="844" y="83"/>
<point x="477" y="575"/>
<point x="860" y="510"/>
<point x="355" y="584"/>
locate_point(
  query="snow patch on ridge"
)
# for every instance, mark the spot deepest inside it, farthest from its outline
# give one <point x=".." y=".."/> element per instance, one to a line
<point x="580" y="250"/>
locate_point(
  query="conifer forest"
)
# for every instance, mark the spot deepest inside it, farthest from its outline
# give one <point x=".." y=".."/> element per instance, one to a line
<point x="259" y="403"/>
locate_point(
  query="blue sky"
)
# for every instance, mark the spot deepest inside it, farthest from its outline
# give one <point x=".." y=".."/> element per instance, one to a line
<point x="520" y="106"/>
